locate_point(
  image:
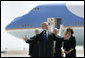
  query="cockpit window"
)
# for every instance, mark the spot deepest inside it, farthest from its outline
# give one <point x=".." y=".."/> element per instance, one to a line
<point x="36" y="9"/>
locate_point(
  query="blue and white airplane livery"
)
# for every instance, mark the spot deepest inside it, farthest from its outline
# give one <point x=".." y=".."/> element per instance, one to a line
<point x="72" y="15"/>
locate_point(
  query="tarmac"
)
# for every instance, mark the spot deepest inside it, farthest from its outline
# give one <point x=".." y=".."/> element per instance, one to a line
<point x="17" y="53"/>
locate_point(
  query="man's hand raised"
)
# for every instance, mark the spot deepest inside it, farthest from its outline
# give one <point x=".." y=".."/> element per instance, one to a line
<point x="25" y="38"/>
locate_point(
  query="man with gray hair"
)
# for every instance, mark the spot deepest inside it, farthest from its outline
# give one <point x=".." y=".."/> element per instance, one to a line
<point x="34" y="46"/>
<point x="58" y="44"/>
<point x="46" y="39"/>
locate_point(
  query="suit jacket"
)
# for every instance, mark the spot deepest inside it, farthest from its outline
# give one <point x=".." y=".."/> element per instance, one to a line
<point x="45" y="46"/>
<point x="58" y="43"/>
<point x="34" y="47"/>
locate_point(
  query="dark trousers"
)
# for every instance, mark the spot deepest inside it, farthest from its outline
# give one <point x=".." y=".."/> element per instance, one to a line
<point x="58" y="54"/>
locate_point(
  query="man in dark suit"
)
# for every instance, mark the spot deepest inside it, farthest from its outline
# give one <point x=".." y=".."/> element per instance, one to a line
<point x="58" y="44"/>
<point x="46" y="40"/>
<point x="34" y="46"/>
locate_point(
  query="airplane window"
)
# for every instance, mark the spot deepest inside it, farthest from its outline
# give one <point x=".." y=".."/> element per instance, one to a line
<point x="78" y="23"/>
<point x="25" y="25"/>
<point x="36" y="9"/>
<point x="81" y="22"/>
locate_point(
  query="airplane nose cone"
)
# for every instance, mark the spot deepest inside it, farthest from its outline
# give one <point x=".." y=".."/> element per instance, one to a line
<point x="13" y="25"/>
<point x="8" y="26"/>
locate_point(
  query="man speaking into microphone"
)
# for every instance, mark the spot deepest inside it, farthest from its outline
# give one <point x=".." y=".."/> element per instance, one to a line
<point x="45" y="39"/>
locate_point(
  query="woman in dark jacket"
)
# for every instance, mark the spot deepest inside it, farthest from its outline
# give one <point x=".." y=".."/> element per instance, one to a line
<point x="69" y="43"/>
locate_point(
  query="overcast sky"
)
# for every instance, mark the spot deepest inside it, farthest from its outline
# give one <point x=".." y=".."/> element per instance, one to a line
<point x="11" y="10"/>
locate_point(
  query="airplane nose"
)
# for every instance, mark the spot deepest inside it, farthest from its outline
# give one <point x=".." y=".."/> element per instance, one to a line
<point x="8" y="27"/>
<point x="12" y="25"/>
<point x="19" y="33"/>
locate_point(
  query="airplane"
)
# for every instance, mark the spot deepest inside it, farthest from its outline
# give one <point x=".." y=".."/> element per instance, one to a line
<point x="71" y="15"/>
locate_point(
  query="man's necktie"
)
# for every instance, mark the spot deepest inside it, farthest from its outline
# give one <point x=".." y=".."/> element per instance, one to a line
<point x="45" y="34"/>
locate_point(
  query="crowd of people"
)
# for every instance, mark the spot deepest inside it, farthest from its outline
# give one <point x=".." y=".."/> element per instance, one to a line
<point x="42" y="44"/>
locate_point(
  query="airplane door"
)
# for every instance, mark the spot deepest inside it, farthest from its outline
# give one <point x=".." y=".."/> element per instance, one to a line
<point x="54" y="23"/>
<point x="57" y="23"/>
